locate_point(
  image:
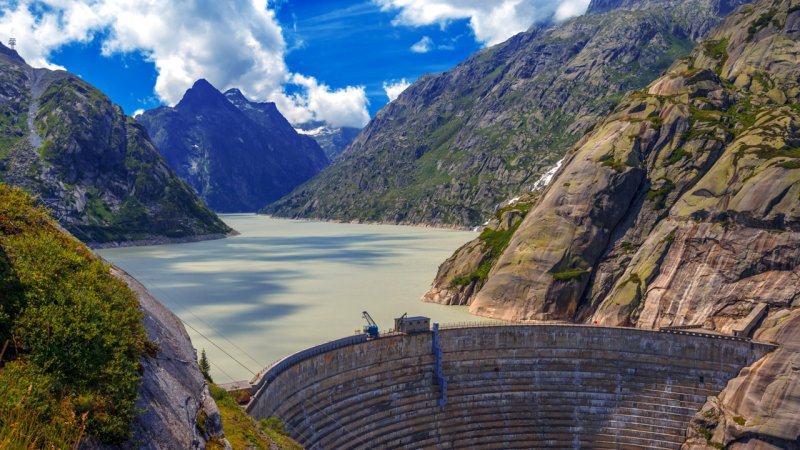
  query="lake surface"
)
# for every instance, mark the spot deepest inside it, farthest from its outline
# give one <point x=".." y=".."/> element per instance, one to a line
<point x="284" y="285"/>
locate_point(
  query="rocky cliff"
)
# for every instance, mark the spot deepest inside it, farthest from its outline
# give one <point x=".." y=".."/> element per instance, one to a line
<point x="175" y="407"/>
<point x="680" y="208"/>
<point x="455" y="145"/>
<point x="705" y="151"/>
<point x="95" y="168"/>
<point x="236" y="154"/>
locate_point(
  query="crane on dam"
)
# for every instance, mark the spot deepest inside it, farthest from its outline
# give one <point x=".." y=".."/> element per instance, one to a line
<point x="371" y="329"/>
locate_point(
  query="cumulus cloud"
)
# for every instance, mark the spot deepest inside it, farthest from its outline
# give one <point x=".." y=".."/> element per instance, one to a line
<point x="394" y="89"/>
<point x="491" y="21"/>
<point x="424" y="45"/>
<point x="338" y="107"/>
<point x="138" y="112"/>
<point x="229" y="43"/>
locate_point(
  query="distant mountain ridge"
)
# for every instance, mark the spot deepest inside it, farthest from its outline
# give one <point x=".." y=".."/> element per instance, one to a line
<point x="95" y="168"/>
<point x="453" y="146"/>
<point x="236" y="154"/>
<point x="333" y="140"/>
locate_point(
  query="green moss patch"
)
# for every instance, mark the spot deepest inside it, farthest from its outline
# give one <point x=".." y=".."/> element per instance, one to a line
<point x="569" y="274"/>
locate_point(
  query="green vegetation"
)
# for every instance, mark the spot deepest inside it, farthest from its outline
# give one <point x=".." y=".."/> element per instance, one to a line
<point x="73" y="333"/>
<point x="617" y="165"/>
<point x="276" y="430"/>
<point x="670" y="238"/>
<point x="627" y="247"/>
<point x="791" y="164"/>
<point x="74" y="115"/>
<point x="205" y="366"/>
<point x="677" y="155"/>
<point x="717" y="49"/>
<point x="569" y="274"/>
<point x="759" y="24"/>
<point x="659" y="196"/>
<point x="740" y="420"/>
<point x="243" y="432"/>
<point x="633" y="278"/>
<point x="496" y="242"/>
<point x="13" y="127"/>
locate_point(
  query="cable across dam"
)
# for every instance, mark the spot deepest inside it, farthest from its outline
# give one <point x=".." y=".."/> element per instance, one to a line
<point x="509" y="386"/>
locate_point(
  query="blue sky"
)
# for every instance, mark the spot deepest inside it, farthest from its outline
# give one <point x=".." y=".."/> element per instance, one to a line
<point x="341" y="43"/>
<point x="347" y="43"/>
<point x="332" y="60"/>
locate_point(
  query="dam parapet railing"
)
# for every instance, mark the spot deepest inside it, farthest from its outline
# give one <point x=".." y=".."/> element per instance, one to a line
<point x="273" y="371"/>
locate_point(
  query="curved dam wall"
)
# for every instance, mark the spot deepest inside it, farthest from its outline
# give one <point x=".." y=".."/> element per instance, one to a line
<point x="524" y="386"/>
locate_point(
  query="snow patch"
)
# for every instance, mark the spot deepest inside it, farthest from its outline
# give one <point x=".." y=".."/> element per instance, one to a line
<point x="313" y="132"/>
<point x="547" y="177"/>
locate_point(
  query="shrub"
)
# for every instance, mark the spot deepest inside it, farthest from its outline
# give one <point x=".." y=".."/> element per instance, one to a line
<point x="76" y="331"/>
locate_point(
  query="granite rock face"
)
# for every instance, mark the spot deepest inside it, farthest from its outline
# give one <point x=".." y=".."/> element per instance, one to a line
<point x="759" y="409"/>
<point x="95" y="168"/>
<point x="681" y="207"/>
<point x="453" y="146"/>
<point x="236" y="154"/>
<point x="173" y="396"/>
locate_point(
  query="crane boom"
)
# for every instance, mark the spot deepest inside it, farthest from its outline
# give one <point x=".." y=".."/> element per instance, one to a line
<point x="371" y="328"/>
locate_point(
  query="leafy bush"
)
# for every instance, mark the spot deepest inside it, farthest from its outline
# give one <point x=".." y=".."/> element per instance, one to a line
<point x="75" y="331"/>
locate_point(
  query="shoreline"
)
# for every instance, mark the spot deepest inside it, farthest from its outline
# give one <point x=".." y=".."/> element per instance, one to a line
<point x="370" y="222"/>
<point x="160" y="240"/>
<point x="163" y="240"/>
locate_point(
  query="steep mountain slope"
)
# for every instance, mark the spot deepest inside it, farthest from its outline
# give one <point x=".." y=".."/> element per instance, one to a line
<point x="236" y="154"/>
<point x="333" y="140"/>
<point x="63" y="140"/>
<point x="454" y="145"/>
<point x="681" y="208"/>
<point x="708" y="150"/>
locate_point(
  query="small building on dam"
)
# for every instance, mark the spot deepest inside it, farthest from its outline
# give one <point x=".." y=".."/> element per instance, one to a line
<point x="504" y="386"/>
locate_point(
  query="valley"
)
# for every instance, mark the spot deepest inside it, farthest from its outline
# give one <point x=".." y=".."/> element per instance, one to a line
<point x="582" y="232"/>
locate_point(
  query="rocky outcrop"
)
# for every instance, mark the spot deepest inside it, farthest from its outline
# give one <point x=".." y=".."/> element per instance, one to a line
<point x="236" y="154"/>
<point x="464" y="274"/>
<point x="455" y="145"/>
<point x="95" y="168"/>
<point x="176" y="408"/>
<point x="760" y="408"/>
<point x="646" y="222"/>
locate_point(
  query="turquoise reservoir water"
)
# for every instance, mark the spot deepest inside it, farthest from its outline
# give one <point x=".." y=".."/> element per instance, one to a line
<point x="283" y="285"/>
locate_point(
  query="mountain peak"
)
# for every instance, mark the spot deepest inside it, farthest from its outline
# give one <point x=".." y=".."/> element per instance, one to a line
<point x="10" y="55"/>
<point x="235" y="94"/>
<point x="202" y="94"/>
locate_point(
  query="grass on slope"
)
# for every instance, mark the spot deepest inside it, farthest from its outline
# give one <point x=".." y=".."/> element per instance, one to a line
<point x="72" y="334"/>
<point x="243" y="432"/>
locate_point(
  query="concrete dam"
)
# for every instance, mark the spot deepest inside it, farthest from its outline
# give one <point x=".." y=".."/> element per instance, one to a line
<point x="510" y="386"/>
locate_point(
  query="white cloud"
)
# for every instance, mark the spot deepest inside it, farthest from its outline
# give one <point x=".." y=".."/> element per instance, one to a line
<point x="229" y="43"/>
<point x="423" y="46"/>
<point x="491" y="21"/>
<point x="571" y="8"/>
<point x="338" y="107"/>
<point x="138" y="112"/>
<point x="394" y="89"/>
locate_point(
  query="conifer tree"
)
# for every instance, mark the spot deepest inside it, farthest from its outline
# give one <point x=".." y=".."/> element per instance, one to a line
<point x="205" y="367"/>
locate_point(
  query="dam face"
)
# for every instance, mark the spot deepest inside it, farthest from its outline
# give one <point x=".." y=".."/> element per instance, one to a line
<point x="521" y="386"/>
